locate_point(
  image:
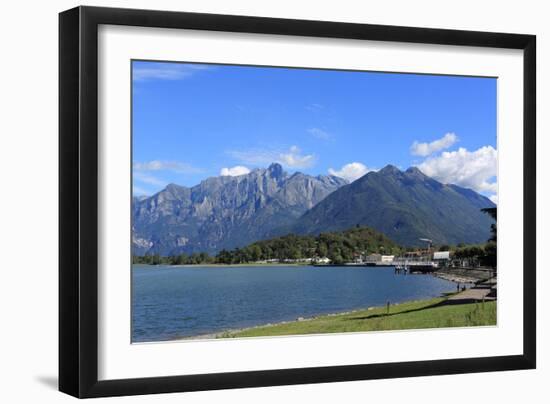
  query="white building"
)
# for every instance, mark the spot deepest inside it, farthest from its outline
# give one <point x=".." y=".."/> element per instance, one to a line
<point x="387" y="259"/>
<point x="442" y="255"/>
<point x="442" y="258"/>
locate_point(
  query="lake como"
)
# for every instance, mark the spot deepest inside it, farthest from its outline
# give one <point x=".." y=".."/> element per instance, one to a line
<point x="179" y="302"/>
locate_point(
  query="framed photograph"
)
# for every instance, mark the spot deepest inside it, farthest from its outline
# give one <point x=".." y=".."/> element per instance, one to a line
<point x="250" y="201"/>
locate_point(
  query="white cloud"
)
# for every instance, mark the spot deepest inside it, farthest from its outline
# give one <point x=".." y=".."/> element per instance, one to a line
<point x="234" y="171"/>
<point x="291" y="158"/>
<point x="425" y="149"/>
<point x="142" y="171"/>
<point x="138" y="191"/>
<point x="159" y="165"/>
<point x="166" y="71"/>
<point x="294" y="159"/>
<point x="494" y="198"/>
<point x="470" y="169"/>
<point x="319" y="133"/>
<point x="148" y="179"/>
<point x="351" y="171"/>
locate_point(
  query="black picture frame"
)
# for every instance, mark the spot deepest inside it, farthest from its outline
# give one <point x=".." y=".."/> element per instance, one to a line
<point x="78" y="201"/>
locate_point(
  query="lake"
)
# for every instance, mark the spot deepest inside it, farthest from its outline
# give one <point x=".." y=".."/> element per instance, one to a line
<point x="175" y="302"/>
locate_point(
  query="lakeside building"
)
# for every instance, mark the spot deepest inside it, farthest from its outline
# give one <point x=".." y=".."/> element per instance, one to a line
<point x="269" y="261"/>
<point x="321" y="260"/>
<point x="387" y="259"/>
<point x="377" y="259"/>
<point x="297" y="260"/>
<point x="442" y="258"/>
<point x="315" y="260"/>
<point x="442" y="255"/>
<point x="373" y="258"/>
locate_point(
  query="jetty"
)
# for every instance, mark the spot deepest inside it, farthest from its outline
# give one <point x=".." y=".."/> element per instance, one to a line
<point x="412" y="267"/>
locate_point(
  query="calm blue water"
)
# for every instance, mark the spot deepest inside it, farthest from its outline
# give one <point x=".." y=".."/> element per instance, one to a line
<point x="170" y="302"/>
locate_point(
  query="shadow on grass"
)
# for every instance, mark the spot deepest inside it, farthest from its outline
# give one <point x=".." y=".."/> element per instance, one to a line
<point x="379" y="315"/>
<point x="445" y="302"/>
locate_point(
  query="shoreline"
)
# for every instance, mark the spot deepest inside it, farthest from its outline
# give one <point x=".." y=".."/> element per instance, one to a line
<point x="461" y="276"/>
<point x="278" y="264"/>
<point x="225" y="265"/>
<point x="229" y="333"/>
<point x="455" y="278"/>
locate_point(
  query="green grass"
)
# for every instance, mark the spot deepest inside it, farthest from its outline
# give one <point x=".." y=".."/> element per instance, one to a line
<point x="404" y="316"/>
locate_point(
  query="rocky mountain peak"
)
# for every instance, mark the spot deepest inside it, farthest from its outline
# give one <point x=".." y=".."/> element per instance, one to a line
<point x="173" y="187"/>
<point x="415" y="172"/>
<point x="390" y="170"/>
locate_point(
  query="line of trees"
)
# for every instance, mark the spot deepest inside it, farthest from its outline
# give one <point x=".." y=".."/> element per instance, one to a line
<point x="478" y="255"/>
<point x="484" y="254"/>
<point x="339" y="247"/>
<point x="180" y="259"/>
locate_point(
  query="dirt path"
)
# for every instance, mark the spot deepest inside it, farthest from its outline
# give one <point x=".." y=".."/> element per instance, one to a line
<point x="484" y="291"/>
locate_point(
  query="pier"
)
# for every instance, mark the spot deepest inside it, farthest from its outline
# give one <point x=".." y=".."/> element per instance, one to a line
<point x="412" y="267"/>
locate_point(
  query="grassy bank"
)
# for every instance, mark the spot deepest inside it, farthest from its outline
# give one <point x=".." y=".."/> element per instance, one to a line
<point x="431" y="313"/>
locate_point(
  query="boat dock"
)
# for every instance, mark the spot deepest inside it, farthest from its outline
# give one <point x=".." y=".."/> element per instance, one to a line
<point x="412" y="267"/>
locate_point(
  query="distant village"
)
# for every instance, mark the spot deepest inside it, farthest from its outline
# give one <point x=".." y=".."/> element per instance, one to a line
<point x="421" y="260"/>
<point x="355" y="247"/>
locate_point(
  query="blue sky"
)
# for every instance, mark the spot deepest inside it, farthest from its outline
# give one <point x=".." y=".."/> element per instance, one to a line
<point x="193" y="121"/>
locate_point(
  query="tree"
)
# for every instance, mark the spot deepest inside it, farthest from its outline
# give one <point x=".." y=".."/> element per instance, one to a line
<point x="493" y="213"/>
<point x="491" y="247"/>
<point x="490" y="258"/>
<point x="181" y="259"/>
<point x="255" y="252"/>
<point x="155" y="260"/>
<point x="322" y="249"/>
<point x="203" y="257"/>
<point x="224" y="257"/>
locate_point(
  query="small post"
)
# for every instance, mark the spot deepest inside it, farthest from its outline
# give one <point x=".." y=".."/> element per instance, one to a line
<point x="387" y="307"/>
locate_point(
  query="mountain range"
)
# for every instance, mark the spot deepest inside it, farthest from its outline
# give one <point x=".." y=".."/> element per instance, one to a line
<point x="227" y="212"/>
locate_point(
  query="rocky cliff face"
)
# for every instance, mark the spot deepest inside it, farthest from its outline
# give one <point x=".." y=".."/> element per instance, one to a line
<point x="225" y="212"/>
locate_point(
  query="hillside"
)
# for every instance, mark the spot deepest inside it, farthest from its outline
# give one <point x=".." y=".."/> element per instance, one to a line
<point x="337" y="246"/>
